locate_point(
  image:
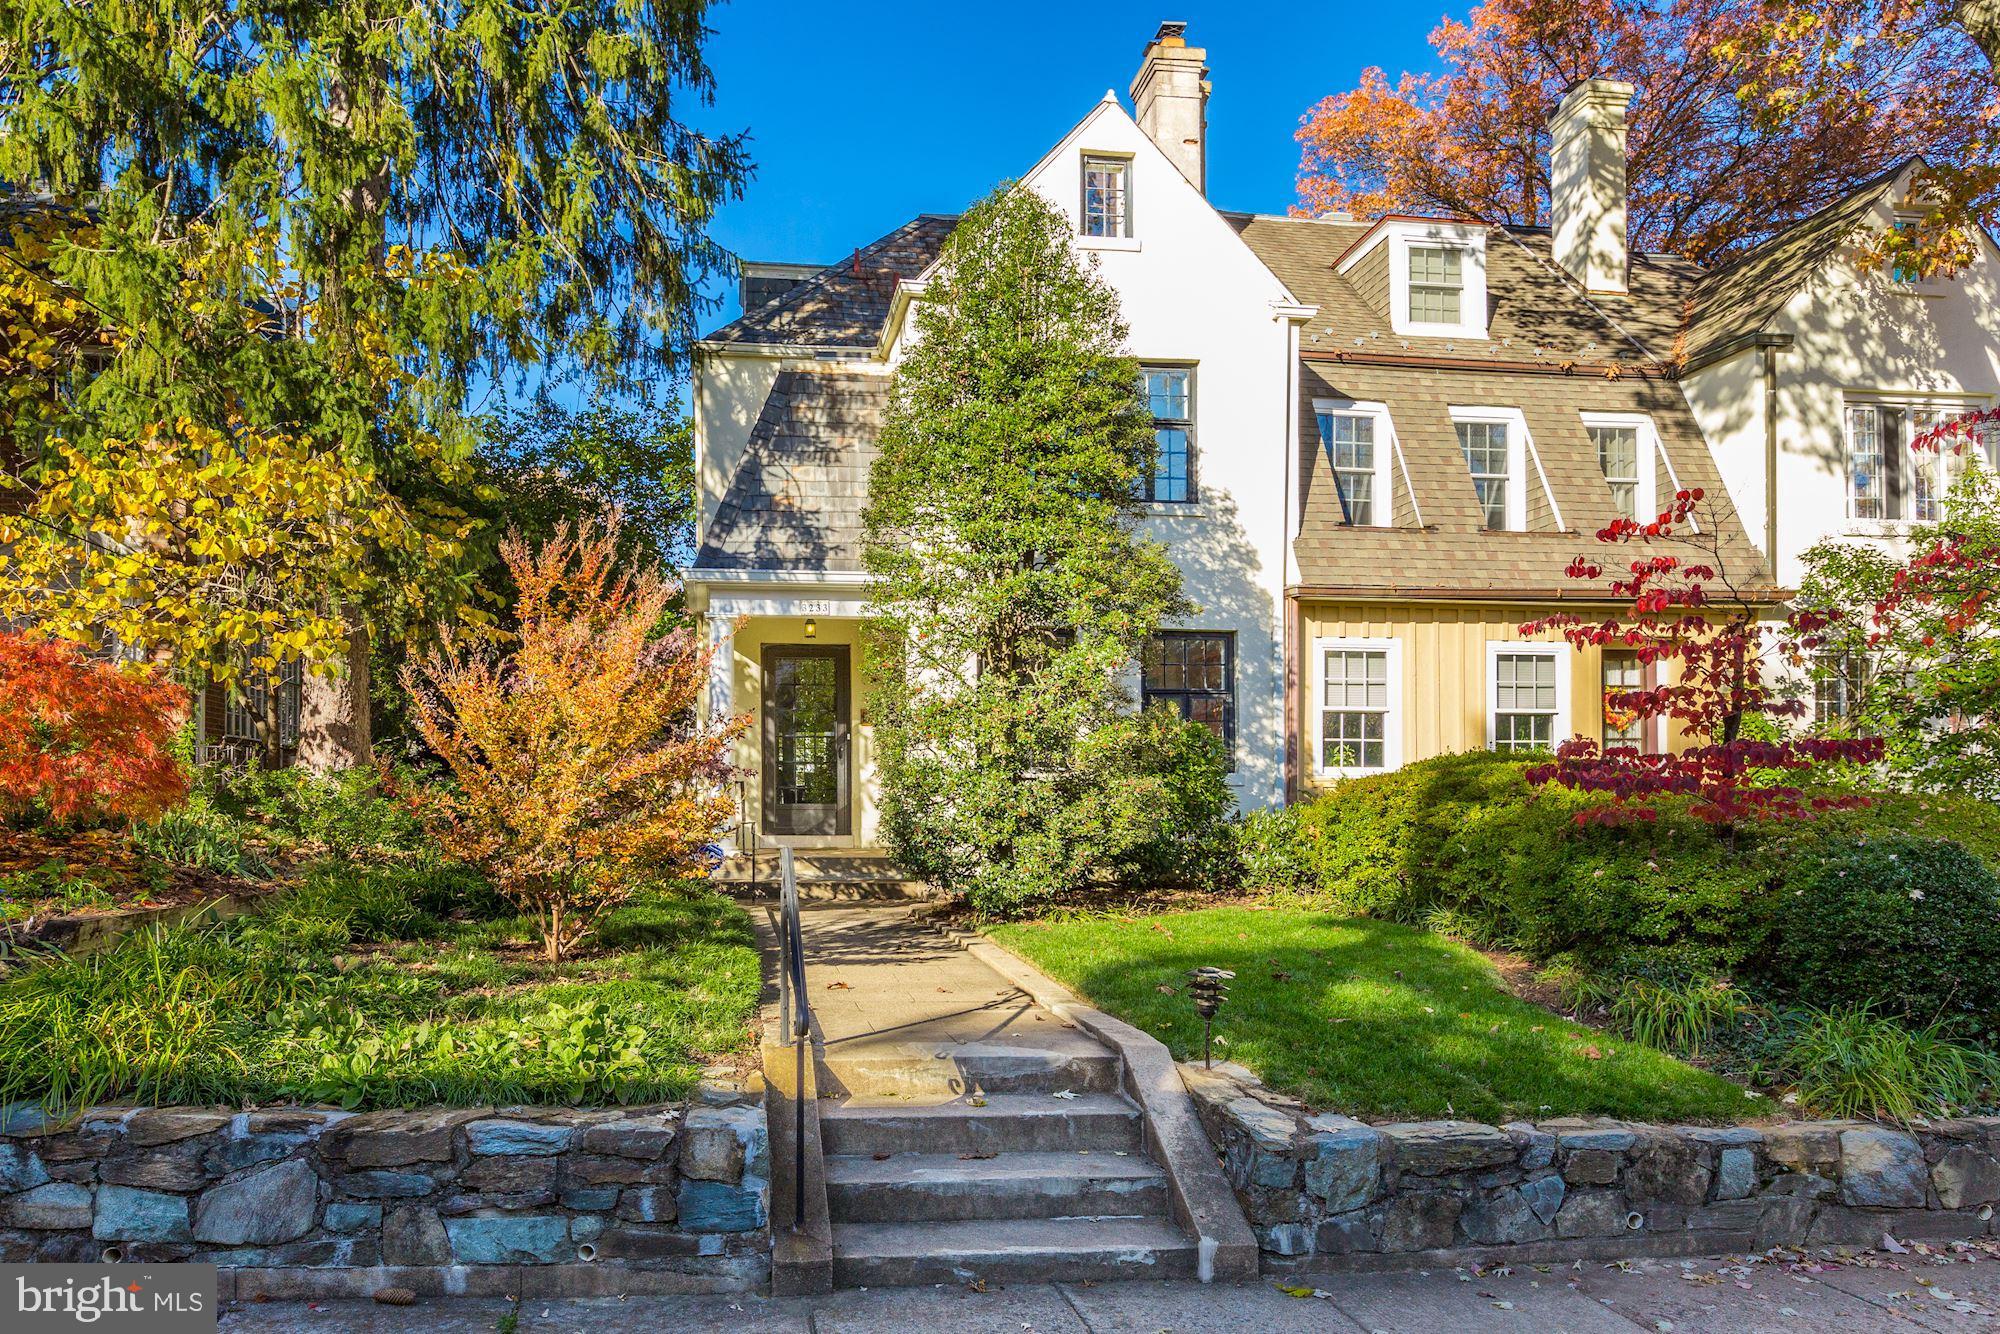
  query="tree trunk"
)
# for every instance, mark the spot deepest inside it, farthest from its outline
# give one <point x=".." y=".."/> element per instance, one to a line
<point x="1981" y="21"/>
<point x="335" y="728"/>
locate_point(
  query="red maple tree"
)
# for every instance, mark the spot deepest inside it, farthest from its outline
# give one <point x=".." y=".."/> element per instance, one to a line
<point x="82" y="739"/>
<point x="1686" y="610"/>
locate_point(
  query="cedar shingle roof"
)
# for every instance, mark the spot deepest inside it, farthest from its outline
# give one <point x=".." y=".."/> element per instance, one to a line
<point x="845" y="304"/>
<point x="795" y="502"/>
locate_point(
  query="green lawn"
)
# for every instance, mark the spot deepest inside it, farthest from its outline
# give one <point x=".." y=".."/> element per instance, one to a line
<point x="388" y="985"/>
<point x="1368" y="1018"/>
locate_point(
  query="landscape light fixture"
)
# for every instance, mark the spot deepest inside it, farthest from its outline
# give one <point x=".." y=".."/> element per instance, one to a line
<point x="1205" y="985"/>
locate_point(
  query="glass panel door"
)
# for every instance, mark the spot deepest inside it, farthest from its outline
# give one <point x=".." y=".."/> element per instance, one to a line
<point x="805" y="740"/>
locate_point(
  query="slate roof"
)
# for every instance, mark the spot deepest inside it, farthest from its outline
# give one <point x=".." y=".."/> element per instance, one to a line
<point x="845" y="304"/>
<point x="795" y="503"/>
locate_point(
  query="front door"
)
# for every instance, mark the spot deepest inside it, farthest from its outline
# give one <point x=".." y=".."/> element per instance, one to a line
<point x="805" y="739"/>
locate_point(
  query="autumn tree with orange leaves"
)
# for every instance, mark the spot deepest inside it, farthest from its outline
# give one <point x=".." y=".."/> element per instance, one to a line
<point x="1709" y="172"/>
<point x="583" y="762"/>
<point x="85" y="740"/>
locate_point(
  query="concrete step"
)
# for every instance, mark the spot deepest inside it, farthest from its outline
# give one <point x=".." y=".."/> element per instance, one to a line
<point x="916" y="1187"/>
<point x="1009" y="1250"/>
<point x="1008" y="1123"/>
<point x="973" y="1067"/>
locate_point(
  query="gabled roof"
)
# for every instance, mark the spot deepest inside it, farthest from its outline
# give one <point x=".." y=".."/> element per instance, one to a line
<point x="1743" y="296"/>
<point x="795" y="502"/>
<point x="845" y="305"/>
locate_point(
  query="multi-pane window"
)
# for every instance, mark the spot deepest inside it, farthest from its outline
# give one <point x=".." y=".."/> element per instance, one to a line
<point x="1926" y="472"/>
<point x="1839" y="679"/>
<point x="1354" y="709"/>
<point x="1623" y="725"/>
<point x="1867" y="489"/>
<point x="1486" y="450"/>
<point x="1107" y="196"/>
<point x="1170" y="398"/>
<point x="1524" y="701"/>
<point x="1349" y="441"/>
<point x="1196" y="674"/>
<point x="1437" y="284"/>
<point x="1986" y="436"/>
<point x="243" y="709"/>
<point x="1904" y="268"/>
<point x="1618" y="457"/>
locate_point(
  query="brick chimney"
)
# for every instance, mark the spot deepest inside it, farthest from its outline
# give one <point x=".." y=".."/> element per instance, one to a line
<point x="1587" y="182"/>
<point x="1170" y="96"/>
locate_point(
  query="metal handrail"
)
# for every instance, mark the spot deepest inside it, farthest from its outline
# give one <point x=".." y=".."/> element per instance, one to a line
<point x="798" y="1020"/>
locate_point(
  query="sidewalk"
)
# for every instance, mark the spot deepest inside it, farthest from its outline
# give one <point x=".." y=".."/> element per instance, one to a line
<point x="1872" y="1293"/>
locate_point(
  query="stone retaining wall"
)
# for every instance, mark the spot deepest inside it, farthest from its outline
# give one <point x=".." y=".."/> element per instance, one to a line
<point x="310" y="1202"/>
<point x="1330" y="1192"/>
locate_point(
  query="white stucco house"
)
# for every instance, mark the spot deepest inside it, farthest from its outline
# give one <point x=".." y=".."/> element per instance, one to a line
<point x="1811" y="371"/>
<point x="1381" y="440"/>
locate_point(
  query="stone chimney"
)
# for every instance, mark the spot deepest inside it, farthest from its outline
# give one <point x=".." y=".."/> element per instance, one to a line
<point x="1170" y="95"/>
<point x="1587" y="182"/>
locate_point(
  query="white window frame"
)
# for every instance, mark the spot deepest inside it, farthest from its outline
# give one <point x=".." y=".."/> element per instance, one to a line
<point x="1521" y="452"/>
<point x="1651" y="455"/>
<point x="1564" y="726"/>
<point x="1387" y="451"/>
<point x="1392" y="719"/>
<point x="1127" y="239"/>
<point x="1897" y="455"/>
<point x="1400" y="235"/>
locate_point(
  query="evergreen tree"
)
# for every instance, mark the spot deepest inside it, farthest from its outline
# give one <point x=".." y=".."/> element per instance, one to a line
<point x="337" y="220"/>
<point x="1012" y="595"/>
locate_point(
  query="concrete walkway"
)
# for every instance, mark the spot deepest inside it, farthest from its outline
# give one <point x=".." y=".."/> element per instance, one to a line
<point x="884" y="985"/>
<point x="1948" y="1293"/>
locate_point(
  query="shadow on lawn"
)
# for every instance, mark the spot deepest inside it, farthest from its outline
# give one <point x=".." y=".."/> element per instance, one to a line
<point x="1333" y="1009"/>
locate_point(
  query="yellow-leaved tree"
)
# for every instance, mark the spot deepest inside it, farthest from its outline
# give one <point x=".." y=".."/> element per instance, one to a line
<point x="583" y="760"/>
<point x="213" y="550"/>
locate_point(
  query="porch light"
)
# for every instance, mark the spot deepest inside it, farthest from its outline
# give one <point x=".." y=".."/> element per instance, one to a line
<point x="812" y="627"/>
<point x="1205" y="986"/>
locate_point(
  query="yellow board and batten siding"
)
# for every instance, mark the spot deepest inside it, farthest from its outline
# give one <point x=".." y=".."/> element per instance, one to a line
<point x="1445" y="693"/>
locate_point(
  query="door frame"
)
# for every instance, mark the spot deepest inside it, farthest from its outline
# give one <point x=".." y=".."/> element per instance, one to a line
<point x="843" y="725"/>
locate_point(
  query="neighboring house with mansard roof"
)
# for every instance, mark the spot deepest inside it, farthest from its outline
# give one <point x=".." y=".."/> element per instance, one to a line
<point x="1380" y="444"/>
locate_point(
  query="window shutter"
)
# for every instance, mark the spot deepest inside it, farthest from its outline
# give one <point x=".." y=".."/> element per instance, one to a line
<point x="1893" y="471"/>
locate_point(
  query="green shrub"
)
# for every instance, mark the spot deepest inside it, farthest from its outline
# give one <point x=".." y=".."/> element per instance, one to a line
<point x="201" y="837"/>
<point x="1463" y="839"/>
<point x="1851" y="1061"/>
<point x="1909" y="925"/>
<point x="354" y="813"/>
<point x="1269" y="853"/>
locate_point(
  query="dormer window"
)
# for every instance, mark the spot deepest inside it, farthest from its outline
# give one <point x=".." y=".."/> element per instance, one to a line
<point x="1437" y="284"/>
<point x="1107" y="196"/>
<point x="1499" y="456"/>
<point x="1359" y="445"/>
<point x="1435" y="279"/>
<point x="1488" y="457"/>
<point x="1629" y="456"/>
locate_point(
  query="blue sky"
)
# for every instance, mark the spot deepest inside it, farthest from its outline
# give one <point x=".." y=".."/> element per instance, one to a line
<point x="864" y="114"/>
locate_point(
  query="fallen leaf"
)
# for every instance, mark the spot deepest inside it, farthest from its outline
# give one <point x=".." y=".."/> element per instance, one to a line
<point x="838" y="986"/>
